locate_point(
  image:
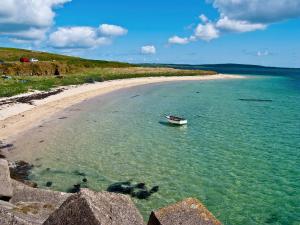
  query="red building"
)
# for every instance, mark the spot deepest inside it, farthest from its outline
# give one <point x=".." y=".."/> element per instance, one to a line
<point x="24" y="59"/>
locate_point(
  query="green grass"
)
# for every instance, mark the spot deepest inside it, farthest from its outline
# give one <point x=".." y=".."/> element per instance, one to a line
<point x="79" y="71"/>
<point x="22" y="84"/>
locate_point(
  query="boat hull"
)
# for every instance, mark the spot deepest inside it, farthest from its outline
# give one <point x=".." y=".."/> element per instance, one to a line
<point x="181" y="122"/>
<point x="176" y="120"/>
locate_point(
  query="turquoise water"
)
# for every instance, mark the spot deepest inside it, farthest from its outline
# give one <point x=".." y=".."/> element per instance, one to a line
<point x="240" y="158"/>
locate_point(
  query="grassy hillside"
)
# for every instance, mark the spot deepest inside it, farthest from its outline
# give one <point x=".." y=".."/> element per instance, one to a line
<point x="23" y="77"/>
<point x="14" y="55"/>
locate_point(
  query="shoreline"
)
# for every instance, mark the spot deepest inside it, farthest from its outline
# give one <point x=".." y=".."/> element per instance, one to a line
<point x="18" y="117"/>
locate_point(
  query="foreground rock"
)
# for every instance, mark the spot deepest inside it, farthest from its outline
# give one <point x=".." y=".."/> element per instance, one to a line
<point x="24" y="213"/>
<point x="24" y="205"/>
<point x="29" y="205"/>
<point x="7" y="217"/>
<point x="187" y="212"/>
<point x="6" y="190"/>
<point x="24" y="193"/>
<point x="88" y="207"/>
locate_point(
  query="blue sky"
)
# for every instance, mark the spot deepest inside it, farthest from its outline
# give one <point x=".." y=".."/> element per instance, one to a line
<point x="191" y="31"/>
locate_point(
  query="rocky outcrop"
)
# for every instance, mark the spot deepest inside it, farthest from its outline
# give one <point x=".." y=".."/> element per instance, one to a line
<point x="187" y="212"/>
<point x="88" y="207"/>
<point x="36" y="69"/>
<point x="6" y="190"/>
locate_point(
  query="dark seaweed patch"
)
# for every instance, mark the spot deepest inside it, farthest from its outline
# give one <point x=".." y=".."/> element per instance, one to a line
<point x="78" y="173"/>
<point x="273" y="218"/>
<point x="4" y="146"/>
<point x="28" y="99"/>
<point x="62" y="118"/>
<point x="255" y="100"/>
<point x="49" y="184"/>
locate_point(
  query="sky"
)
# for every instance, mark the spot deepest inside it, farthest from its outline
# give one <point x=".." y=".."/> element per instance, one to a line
<point x="261" y="32"/>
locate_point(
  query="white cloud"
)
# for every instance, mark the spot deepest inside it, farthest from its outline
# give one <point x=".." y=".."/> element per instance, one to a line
<point x="244" y="16"/>
<point x="178" y="40"/>
<point x="148" y="50"/>
<point x="112" y="30"/>
<point x="77" y="37"/>
<point x="238" y="25"/>
<point x="258" y="11"/>
<point x="31" y="34"/>
<point x="263" y="53"/>
<point x="28" y="19"/>
<point x="206" y="32"/>
<point x="203" y="18"/>
<point x="84" y="37"/>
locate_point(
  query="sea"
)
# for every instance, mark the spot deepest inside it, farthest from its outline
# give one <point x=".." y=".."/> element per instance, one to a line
<point x="239" y="154"/>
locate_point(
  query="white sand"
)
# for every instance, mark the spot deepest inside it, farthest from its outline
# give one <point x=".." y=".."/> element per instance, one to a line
<point x="17" y="118"/>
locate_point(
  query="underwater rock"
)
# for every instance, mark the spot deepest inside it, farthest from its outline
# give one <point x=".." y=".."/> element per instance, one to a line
<point x="49" y="184"/>
<point x="121" y="187"/>
<point x="75" y="188"/>
<point x="142" y="194"/>
<point x="140" y="185"/>
<point x="139" y="190"/>
<point x="78" y="173"/>
<point x="154" y="189"/>
<point x="20" y="170"/>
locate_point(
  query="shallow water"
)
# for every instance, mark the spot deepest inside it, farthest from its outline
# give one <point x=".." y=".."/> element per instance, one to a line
<point x="240" y="158"/>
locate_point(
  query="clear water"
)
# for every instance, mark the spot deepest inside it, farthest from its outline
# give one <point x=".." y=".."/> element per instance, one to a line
<point x="241" y="159"/>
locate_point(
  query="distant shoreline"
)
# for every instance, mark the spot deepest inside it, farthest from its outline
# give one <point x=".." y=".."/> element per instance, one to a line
<point x="18" y="117"/>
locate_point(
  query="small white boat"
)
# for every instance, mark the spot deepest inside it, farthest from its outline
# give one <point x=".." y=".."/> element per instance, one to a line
<point x="176" y="120"/>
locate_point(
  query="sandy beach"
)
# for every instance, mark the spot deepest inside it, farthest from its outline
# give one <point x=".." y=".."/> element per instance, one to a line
<point x="18" y="117"/>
